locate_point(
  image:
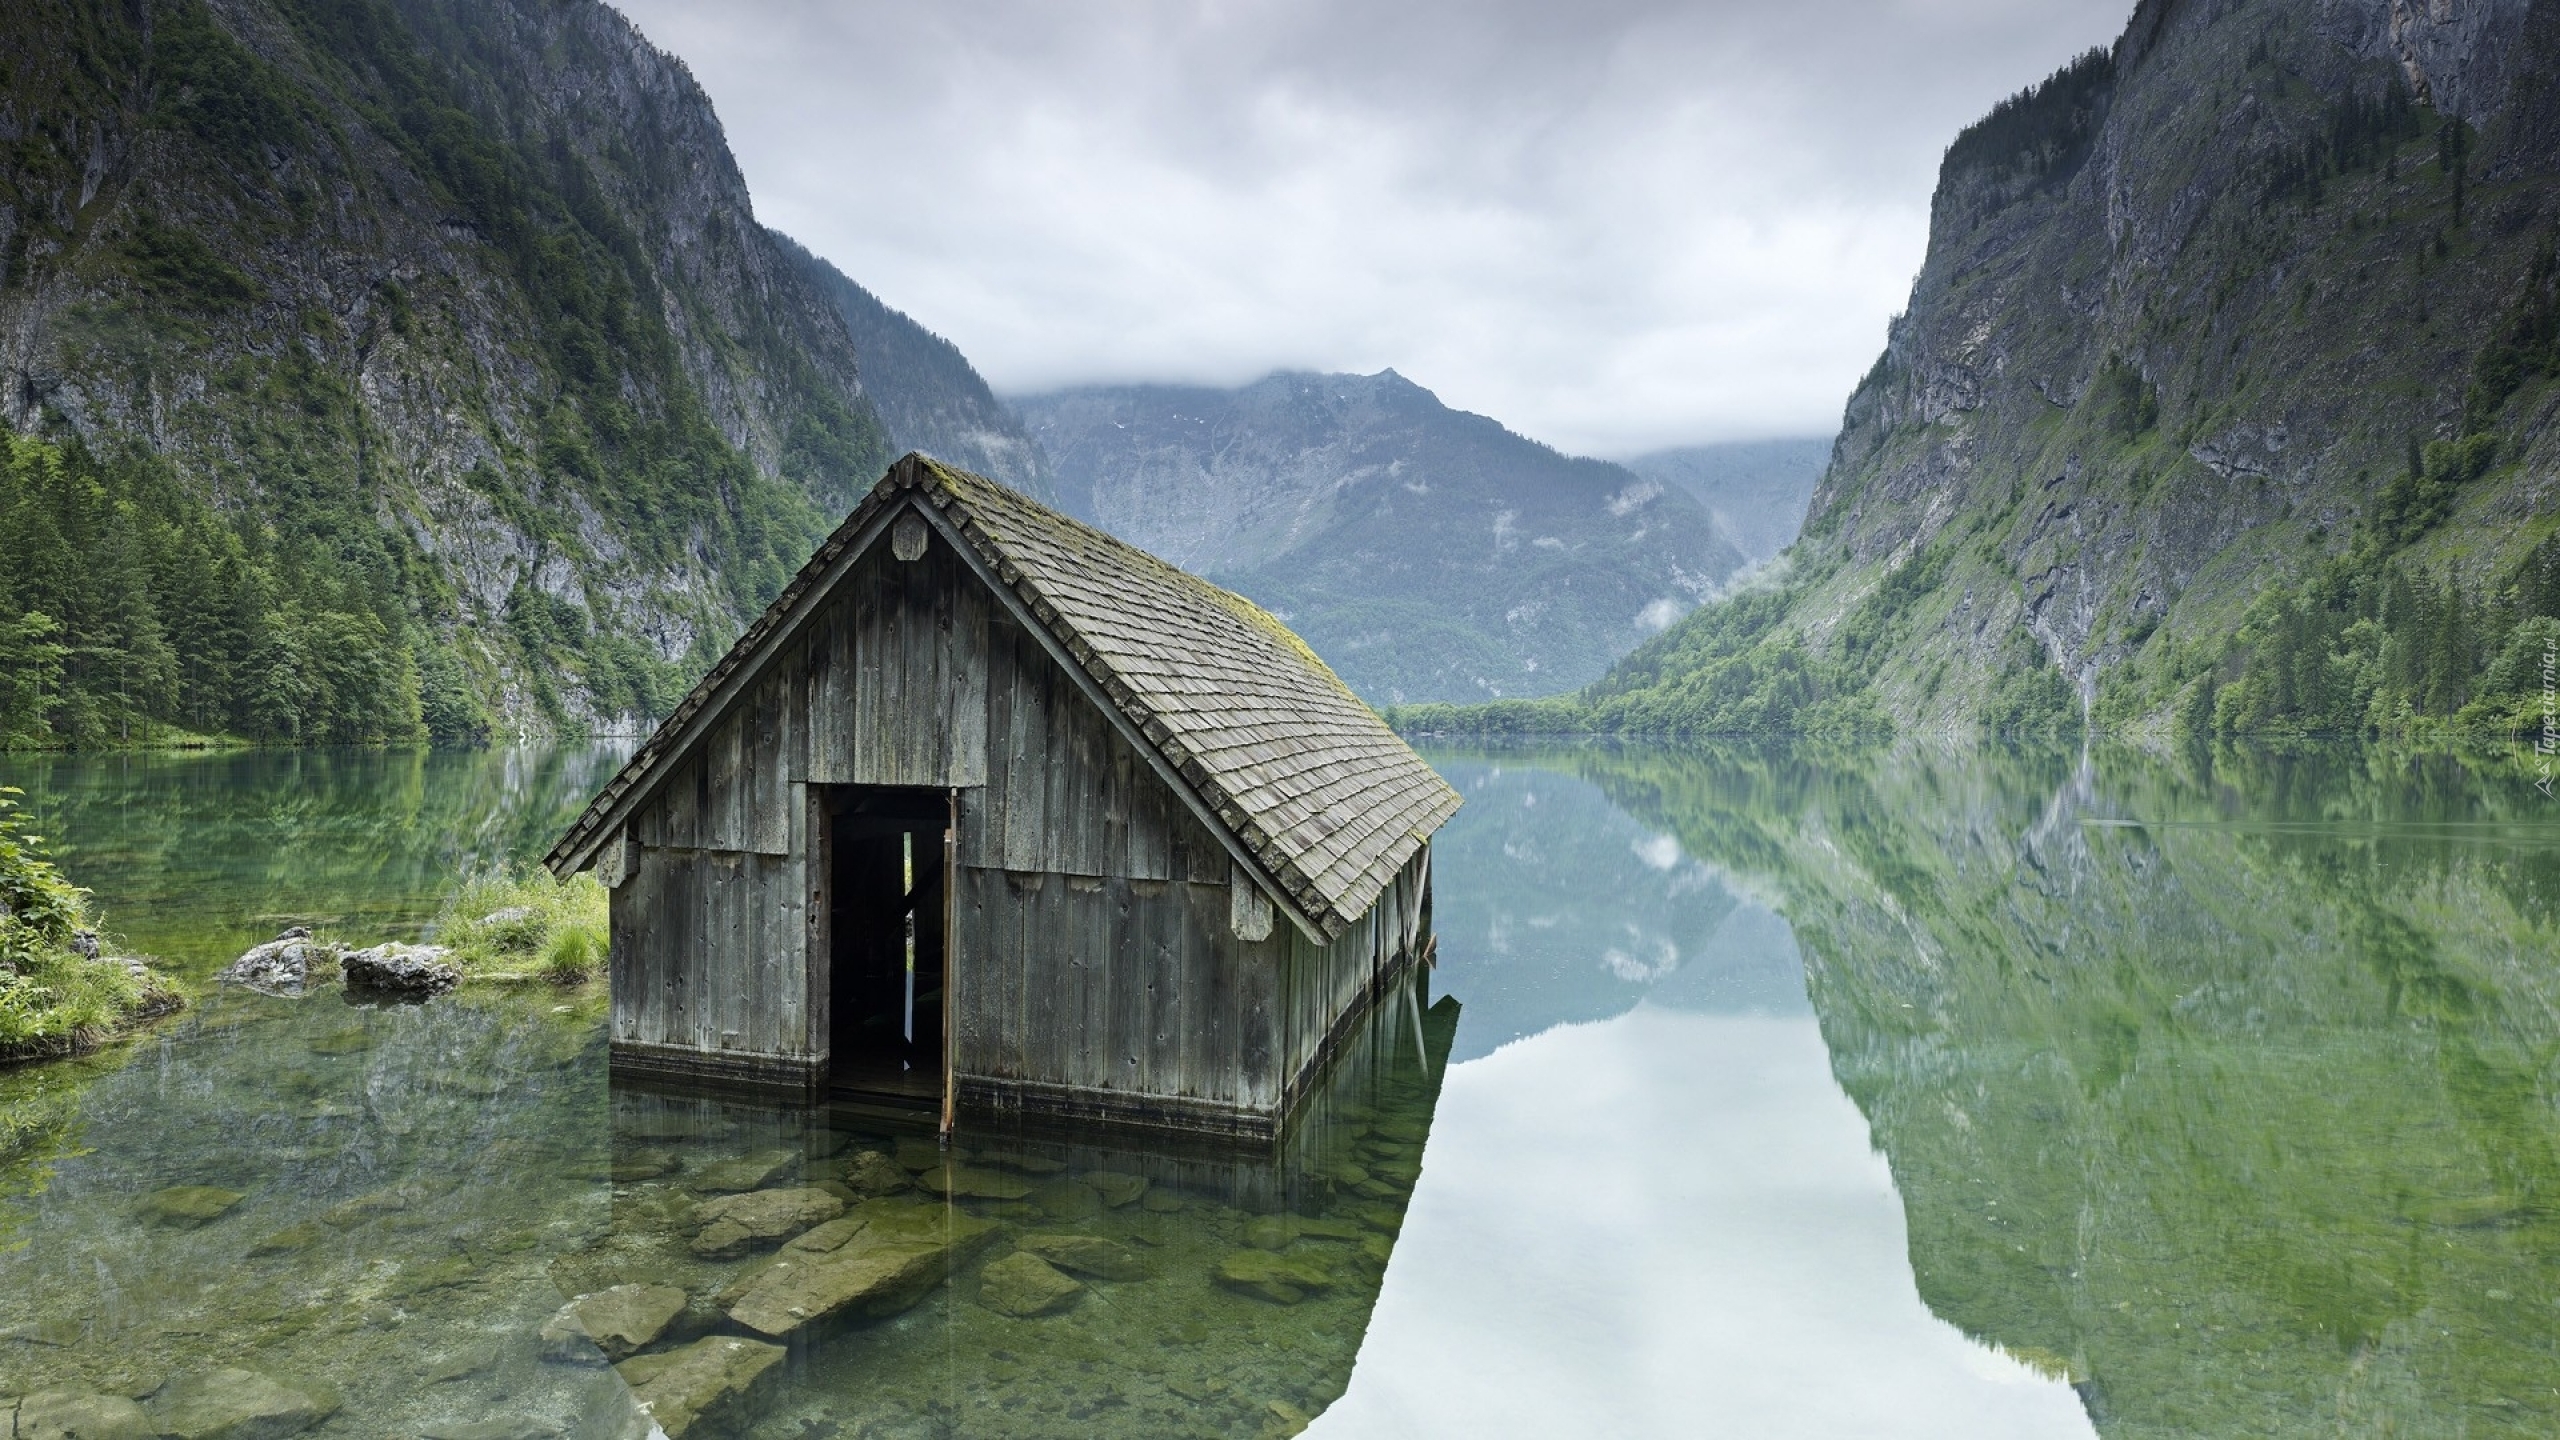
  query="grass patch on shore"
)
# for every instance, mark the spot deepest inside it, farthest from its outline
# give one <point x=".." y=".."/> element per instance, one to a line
<point x="58" y="994"/>
<point x="519" y="924"/>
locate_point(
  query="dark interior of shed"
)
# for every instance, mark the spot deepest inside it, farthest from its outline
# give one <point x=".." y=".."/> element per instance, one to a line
<point x="886" y="925"/>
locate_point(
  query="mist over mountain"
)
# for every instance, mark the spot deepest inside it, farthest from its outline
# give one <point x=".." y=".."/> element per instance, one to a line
<point x="1756" y="490"/>
<point x="2224" y="403"/>
<point x="1426" y="553"/>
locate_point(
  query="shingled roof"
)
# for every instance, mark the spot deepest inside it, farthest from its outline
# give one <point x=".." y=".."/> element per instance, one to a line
<point x="1295" y="768"/>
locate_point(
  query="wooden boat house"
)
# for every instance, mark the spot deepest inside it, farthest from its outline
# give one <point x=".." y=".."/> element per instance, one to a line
<point x="992" y="810"/>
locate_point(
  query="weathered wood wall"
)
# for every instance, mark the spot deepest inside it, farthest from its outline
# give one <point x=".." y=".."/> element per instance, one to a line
<point x="1096" y="954"/>
<point x="715" y="926"/>
<point x="1324" y="986"/>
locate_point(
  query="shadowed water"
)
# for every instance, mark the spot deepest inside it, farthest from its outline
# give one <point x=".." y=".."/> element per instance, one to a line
<point x="1934" y="1095"/>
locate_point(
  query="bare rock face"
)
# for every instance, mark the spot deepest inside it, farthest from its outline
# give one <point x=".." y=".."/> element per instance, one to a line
<point x="732" y="1225"/>
<point x="898" y="1254"/>
<point x="405" y="972"/>
<point x="287" y="965"/>
<point x="620" y="1322"/>
<point x="711" y="1382"/>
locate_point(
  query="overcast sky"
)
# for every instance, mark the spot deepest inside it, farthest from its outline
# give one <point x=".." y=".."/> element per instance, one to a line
<point x="1611" y="224"/>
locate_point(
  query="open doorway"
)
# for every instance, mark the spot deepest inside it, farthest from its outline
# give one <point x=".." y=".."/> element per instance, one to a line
<point x="885" y="923"/>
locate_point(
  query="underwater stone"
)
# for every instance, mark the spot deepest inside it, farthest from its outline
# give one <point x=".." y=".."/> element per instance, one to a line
<point x="1386" y="1219"/>
<point x="1285" y="1279"/>
<point x="233" y="1404"/>
<point x="1067" y="1200"/>
<point x="1160" y="1201"/>
<point x="73" y="1415"/>
<point x="830" y="1236"/>
<point x="1270" y="1232"/>
<point x="718" y="1379"/>
<point x="872" y="1173"/>
<point x="916" y="1154"/>
<point x="185" y="1207"/>
<point x="963" y="1182"/>
<point x="408" y="972"/>
<point x="1015" y="1160"/>
<point x="752" y="1172"/>
<point x="490" y="1430"/>
<point x="1087" y="1255"/>
<point x="1116" y="1189"/>
<point x="901" y="1252"/>
<point x="464" y="1363"/>
<point x="643" y="1165"/>
<point x="1023" y="1285"/>
<point x="618" y="1321"/>
<point x="734" y="1224"/>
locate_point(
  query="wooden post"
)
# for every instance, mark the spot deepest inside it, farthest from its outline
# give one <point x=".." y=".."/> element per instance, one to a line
<point x="950" y="963"/>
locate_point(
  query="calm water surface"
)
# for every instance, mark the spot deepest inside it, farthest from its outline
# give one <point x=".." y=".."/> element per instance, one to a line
<point x="1932" y="1095"/>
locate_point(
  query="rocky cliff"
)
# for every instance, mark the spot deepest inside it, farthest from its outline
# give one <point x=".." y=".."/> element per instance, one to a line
<point x="439" y="332"/>
<point x="2224" y="398"/>
<point x="1428" y="554"/>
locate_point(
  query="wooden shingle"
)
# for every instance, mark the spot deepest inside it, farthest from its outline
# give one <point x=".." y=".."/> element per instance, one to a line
<point x="1297" y="768"/>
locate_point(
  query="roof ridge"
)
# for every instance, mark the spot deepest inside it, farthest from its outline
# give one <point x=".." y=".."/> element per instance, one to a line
<point x="1165" y="648"/>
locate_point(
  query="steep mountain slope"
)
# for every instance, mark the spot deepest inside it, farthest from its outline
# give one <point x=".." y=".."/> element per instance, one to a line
<point x="1757" y="490"/>
<point x="1427" y="553"/>
<point x="2224" y="402"/>
<point x="927" y="393"/>
<point x="406" y="365"/>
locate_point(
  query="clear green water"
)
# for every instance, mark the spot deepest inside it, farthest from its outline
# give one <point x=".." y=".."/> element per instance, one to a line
<point x="1933" y="1095"/>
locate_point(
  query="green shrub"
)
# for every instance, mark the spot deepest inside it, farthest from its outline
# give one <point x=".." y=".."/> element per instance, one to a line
<point x="516" y="922"/>
<point x="53" y="998"/>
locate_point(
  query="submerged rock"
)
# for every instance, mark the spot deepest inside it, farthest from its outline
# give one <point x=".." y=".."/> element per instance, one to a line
<point x="1115" y="1188"/>
<point x="287" y="965"/>
<point x="519" y="1429"/>
<point x="719" y="1379"/>
<point x="641" y="1165"/>
<point x="185" y="1207"/>
<point x="290" y="1239"/>
<point x="919" y="1154"/>
<point x="751" y="1172"/>
<point x="619" y="1321"/>
<point x="1087" y="1255"/>
<point x="1023" y="1285"/>
<point x="732" y="1225"/>
<point x="406" y="972"/>
<point x="966" y="1182"/>
<point x="900" y="1251"/>
<point x="1284" y="1279"/>
<point x="76" y="1415"/>
<point x="233" y="1404"/>
<point x="871" y="1173"/>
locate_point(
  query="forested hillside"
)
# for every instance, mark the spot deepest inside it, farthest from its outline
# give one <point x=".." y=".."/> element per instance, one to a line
<point x="2224" y="404"/>
<point x="389" y="370"/>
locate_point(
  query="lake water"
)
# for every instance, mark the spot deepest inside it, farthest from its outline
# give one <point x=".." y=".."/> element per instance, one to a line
<point x="1756" y="1093"/>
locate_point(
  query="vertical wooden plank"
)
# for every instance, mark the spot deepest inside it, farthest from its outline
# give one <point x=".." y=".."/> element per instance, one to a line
<point x="1118" y="763"/>
<point x="1168" y="920"/>
<point x="817" y="977"/>
<point x="968" y="657"/>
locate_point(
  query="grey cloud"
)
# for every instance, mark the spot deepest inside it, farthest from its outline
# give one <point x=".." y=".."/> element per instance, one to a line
<point x="1613" y="225"/>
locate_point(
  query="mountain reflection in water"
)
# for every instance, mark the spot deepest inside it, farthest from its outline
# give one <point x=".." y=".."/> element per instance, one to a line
<point x="1926" y="1095"/>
